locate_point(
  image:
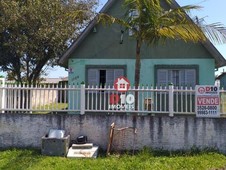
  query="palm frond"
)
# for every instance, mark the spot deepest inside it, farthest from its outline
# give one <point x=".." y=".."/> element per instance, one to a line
<point x="184" y="10"/>
<point x="174" y="24"/>
<point x="186" y="32"/>
<point x="106" y="19"/>
<point x="215" y="32"/>
<point x="154" y="23"/>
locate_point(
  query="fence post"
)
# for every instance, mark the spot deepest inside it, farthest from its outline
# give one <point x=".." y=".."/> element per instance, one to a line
<point x="171" y="102"/>
<point x="82" y="99"/>
<point x="2" y="84"/>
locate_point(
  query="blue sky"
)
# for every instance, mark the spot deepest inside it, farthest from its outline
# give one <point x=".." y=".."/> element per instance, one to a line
<point x="212" y="11"/>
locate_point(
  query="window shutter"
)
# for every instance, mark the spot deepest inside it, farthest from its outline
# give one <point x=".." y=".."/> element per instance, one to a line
<point x="112" y="74"/>
<point x="93" y="77"/>
<point x="118" y="73"/>
<point x="190" y="77"/>
<point x="162" y="77"/>
<point x="179" y="77"/>
<point x="169" y="76"/>
<point x="109" y="77"/>
<point x="182" y="81"/>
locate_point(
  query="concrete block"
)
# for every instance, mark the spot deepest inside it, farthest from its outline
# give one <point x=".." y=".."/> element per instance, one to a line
<point x="55" y="146"/>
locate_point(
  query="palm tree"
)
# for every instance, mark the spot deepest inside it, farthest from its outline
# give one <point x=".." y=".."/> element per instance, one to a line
<point x="153" y="23"/>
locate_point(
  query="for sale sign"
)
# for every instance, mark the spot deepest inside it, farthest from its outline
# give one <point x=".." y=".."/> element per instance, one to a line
<point x="207" y="101"/>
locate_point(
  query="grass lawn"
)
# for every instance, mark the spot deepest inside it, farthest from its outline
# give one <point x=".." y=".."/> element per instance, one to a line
<point x="19" y="159"/>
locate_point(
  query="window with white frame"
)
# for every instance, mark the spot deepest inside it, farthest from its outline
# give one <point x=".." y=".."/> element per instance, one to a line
<point x="103" y="76"/>
<point x="178" y="76"/>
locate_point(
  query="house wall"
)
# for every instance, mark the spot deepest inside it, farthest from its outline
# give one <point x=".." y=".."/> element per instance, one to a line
<point x="160" y="131"/>
<point x="205" y="68"/>
<point x="103" y="47"/>
<point x="105" y="43"/>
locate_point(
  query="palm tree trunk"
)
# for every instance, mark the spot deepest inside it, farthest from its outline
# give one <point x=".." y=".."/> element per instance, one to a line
<point x="137" y="71"/>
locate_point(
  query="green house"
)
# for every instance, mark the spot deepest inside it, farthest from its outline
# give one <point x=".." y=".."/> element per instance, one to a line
<point x="103" y="53"/>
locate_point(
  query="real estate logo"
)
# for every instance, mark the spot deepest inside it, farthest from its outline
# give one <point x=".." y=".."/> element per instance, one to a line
<point x="122" y="84"/>
<point x="121" y="101"/>
<point x="207" y="101"/>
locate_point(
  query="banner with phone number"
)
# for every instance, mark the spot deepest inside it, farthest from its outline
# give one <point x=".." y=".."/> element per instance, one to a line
<point x="207" y="101"/>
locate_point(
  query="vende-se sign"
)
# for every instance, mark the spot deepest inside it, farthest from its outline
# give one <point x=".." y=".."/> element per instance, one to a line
<point x="207" y="101"/>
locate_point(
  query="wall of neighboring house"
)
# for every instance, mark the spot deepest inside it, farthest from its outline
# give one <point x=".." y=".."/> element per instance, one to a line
<point x="40" y="97"/>
<point x="222" y="80"/>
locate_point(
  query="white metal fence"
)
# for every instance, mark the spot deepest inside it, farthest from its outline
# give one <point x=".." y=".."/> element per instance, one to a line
<point x="80" y="99"/>
<point x="150" y="100"/>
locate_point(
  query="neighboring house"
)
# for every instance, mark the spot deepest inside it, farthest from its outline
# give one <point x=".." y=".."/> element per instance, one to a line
<point x="221" y="80"/>
<point x="103" y="53"/>
<point x="54" y="80"/>
<point x="46" y="81"/>
<point x="40" y="97"/>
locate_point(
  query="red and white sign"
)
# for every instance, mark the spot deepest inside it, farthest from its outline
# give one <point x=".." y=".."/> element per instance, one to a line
<point x="121" y="101"/>
<point x="122" y="84"/>
<point x="207" y="101"/>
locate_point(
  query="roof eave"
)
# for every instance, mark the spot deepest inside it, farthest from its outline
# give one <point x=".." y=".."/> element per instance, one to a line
<point x="219" y="59"/>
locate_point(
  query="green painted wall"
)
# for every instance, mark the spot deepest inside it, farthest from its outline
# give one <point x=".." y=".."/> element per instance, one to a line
<point x="103" y="48"/>
<point x="205" y="68"/>
<point x="105" y="43"/>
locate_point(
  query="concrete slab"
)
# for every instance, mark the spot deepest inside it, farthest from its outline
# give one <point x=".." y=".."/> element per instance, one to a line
<point x="82" y="146"/>
<point x="83" y="153"/>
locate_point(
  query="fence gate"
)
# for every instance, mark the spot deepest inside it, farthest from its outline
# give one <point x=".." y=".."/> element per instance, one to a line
<point x="2" y="95"/>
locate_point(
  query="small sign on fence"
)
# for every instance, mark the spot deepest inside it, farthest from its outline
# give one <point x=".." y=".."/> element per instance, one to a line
<point x="121" y="84"/>
<point x="121" y="101"/>
<point x="207" y="101"/>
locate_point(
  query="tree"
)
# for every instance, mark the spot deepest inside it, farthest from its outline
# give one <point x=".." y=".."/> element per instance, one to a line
<point x="152" y="23"/>
<point x="34" y="33"/>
